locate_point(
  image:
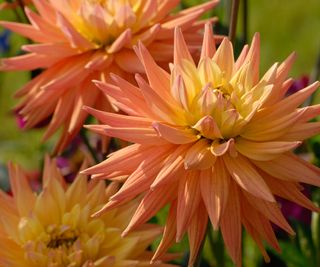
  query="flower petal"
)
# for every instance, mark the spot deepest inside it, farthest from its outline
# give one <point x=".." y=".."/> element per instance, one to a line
<point x="264" y="151"/>
<point x="215" y="190"/>
<point x="175" y="134"/>
<point x="199" y="156"/>
<point x="247" y="177"/>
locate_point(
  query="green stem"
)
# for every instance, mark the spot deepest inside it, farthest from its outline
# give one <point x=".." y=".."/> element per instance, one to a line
<point x="233" y="20"/>
<point x="245" y="21"/>
<point x="217" y="247"/>
<point x="200" y="252"/>
<point x="315" y="75"/>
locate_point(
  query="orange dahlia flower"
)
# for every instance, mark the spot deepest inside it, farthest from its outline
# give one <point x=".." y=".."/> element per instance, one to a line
<point x="80" y="40"/>
<point x="210" y="139"/>
<point x="54" y="228"/>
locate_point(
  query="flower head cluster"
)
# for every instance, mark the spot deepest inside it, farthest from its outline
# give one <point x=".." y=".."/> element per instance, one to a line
<point x="54" y="228"/>
<point x="80" y="40"/>
<point x="211" y="138"/>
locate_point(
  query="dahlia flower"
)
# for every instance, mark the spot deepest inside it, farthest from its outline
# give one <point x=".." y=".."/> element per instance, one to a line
<point x="211" y="139"/>
<point x="80" y="40"/>
<point x="54" y="228"/>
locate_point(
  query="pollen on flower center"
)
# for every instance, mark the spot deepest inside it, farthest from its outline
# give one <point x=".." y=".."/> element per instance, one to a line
<point x="62" y="238"/>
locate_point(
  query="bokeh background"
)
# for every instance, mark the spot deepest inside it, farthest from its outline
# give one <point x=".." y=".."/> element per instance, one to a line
<point x="284" y="26"/>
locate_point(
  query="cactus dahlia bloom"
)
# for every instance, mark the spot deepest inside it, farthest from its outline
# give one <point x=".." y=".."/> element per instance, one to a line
<point x="80" y="40"/>
<point x="210" y="139"/>
<point x="54" y="228"/>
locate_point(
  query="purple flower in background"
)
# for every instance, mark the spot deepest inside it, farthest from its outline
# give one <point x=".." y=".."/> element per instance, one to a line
<point x="296" y="212"/>
<point x="299" y="84"/>
<point x="22" y="122"/>
<point x="4" y="41"/>
<point x="70" y="161"/>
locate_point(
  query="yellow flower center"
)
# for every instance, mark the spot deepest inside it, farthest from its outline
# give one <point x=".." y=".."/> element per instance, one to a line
<point x="61" y="236"/>
<point x="72" y="242"/>
<point x="102" y="22"/>
<point x="224" y="101"/>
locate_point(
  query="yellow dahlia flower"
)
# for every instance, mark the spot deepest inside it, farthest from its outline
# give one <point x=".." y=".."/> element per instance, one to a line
<point x="80" y="40"/>
<point x="54" y="228"/>
<point x="211" y="139"/>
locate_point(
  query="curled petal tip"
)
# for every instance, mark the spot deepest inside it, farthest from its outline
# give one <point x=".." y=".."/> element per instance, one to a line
<point x="125" y="233"/>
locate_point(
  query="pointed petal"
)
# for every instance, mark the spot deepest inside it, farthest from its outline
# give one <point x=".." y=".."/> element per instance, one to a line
<point x="214" y="190"/>
<point x="175" y="134"/>
<point x="172" y="168"/>
<point x="231" y="225"/>
<point x="208" y="45"/>
<point x="264" y="150"/>
<point x="292" y="168"/>
<point x="189" y="197"/>
<point x="150" y="204"/>
<point x="120" y="42"/>
<point x="224" y="58"/>
<point x="169" y="233"/>
<point x="141" y="179"/>
<point x="180" y="48"/>
<point x="290" y="191"/>
<point x="247" y="177"/>
<point x="24" y="197"/>
<point x="196" y="232"/>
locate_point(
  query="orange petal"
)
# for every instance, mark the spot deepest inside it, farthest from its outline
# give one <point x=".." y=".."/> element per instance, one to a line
<point x="175" y="134"/>
<point x="199" y="156"/>
<point x="231" y="225"/>
<point x="220" y="149"/>
<point x="75" y="38"/>
<point x="141" y="179"/>
<point x="253" y="55"/>
<point x="169" y="233"/>
<point x="292" y="168"/>
<point x="196" y="232"/>
<point x="208" y="127"/>
<point x="189" y="197"/>
<point x="214" y="190"/>
<point x="270" y="211"/>
<point x="208" y="45"/>
<point x="118" y="160"/>
<point x="150" y="204"/>
<point x="123" y="39"/>
<point x="24" y="197"/>
<point x="172" y="168"/>
<point x="247" y="177"/>
<point x="159" y="106"/>
<point x="263" y="150"/>
<point x="180" y="48"/>
<point x="290" y="191"/>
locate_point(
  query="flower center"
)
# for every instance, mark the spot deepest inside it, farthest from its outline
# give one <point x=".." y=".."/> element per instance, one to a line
<point x="102" y="22"/>
<point x="62" y="238"/>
